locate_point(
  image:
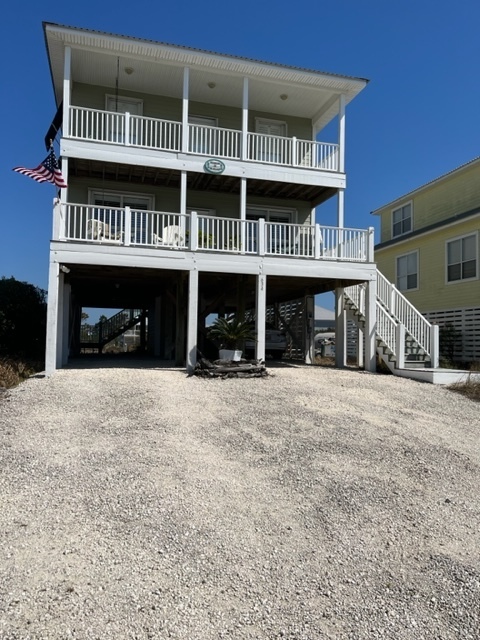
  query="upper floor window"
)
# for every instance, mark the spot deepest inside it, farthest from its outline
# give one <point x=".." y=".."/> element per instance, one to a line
<point x="462" y="258"/>
<point x="407" y="271"/>
<point x="402" y="220"/>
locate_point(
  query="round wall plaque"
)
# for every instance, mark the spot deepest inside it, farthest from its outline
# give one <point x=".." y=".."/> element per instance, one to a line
<point x="214" y="166"/>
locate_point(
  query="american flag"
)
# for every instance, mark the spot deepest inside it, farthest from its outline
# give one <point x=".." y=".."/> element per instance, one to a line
<point x="47" y="171"/>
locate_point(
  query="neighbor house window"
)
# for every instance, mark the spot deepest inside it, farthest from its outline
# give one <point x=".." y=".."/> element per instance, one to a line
<point x="462" y="258"/>
<point x="407" y="271"/>
<point x="402" y="220"/>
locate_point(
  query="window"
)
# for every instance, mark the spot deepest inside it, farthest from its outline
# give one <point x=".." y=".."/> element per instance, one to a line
<point x="402" y="220"/>
<point x="109" y="208"/>
<point x="276" y="230"/>
<point x="462" y="258"/>
<point x="407" y="271"/>
<point x="271" y="147"/>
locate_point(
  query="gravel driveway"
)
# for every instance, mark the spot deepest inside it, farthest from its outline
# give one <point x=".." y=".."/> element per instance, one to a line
<point x="315" y="503"/>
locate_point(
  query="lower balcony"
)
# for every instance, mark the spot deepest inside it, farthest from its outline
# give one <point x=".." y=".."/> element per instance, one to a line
<point x="135" y="228"/>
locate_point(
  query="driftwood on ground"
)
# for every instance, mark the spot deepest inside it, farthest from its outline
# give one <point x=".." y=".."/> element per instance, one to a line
<point x="229" y="369"/>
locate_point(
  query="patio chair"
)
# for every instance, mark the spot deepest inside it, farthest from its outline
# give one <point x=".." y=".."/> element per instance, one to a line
<point x="171" y="237"/>
<point x="98" y="230"/>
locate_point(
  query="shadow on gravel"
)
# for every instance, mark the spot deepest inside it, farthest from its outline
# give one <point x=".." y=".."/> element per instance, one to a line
<point x="121" y="361"/>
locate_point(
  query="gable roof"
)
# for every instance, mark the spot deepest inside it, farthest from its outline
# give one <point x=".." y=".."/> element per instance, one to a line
<point x="414" y="192"/>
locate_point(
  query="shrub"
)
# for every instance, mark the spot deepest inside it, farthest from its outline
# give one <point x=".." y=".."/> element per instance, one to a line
<point x="23" y="313"/>
<point x="12" y="372"/>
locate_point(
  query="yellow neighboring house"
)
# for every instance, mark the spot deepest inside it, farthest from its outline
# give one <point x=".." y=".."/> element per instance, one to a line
<point x="430" y="248"/>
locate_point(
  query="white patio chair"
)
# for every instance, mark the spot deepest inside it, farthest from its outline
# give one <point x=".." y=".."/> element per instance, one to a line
<point x="171" y="237"/>
<point x="97" y="230"/>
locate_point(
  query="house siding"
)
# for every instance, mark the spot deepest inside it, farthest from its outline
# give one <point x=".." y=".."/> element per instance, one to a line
<point x="457" y="193"/>
<point x="168" y="199"/>
<point x="166" y="108"/>
<point x="432" y="284"/>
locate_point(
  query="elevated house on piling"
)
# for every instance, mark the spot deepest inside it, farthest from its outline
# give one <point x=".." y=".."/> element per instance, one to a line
<point x="195" y="187"/>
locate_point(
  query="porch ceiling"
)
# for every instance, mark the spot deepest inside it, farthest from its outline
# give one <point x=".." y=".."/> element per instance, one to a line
<point x="124" y="287"/>
<point x="99" y="58"/>
<point x="133" y="174"/>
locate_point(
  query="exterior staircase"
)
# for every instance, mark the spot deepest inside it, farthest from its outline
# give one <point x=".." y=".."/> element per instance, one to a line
<point x="405" y="339"/>
<point x="111" y="328"/>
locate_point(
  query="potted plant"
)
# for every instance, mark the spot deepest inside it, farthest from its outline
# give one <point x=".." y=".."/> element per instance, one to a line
<point x="231" y="333"/>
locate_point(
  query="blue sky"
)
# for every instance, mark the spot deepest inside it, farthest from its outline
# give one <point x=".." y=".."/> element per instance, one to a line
<point x="417" y="119"/>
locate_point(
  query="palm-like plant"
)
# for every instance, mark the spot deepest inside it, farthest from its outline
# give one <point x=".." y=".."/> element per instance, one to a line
<point x="231" y="332"/>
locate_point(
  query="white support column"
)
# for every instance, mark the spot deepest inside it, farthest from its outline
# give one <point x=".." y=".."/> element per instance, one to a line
<point x="58" y="222"/>
<point x="400" y="345"/>
<point x="261" y="236"/>
<point x="157" y="326"/>
<point x="245" y="120"/>
<point x="193" y="231"/>
<point x="360" y="331"/>
<point x="434" y="346"/>
<point x="341" y="133"/>
<point x="192" y="327"/>
<point x="309" y="330"/>
<point x="127" y="128"/>
<point x="260" y="316"/>
<point x="67" y="292"/>
<point x="186" y="80"/>
<point x="340" y="329"/>
<point x="183" y="192"/>
<point x="183" y="203"/>
<point x="341" y="210"/>
<point x="60" y="309"/>
<point x="243" y="214"/>
<point x="360" y="349"/>
<point x="52" y="317"/>
<point x="128" y="227"/>
<point x="67" y="88"/>
<point x="370" y="257"/>
<point x="371" y="326"/>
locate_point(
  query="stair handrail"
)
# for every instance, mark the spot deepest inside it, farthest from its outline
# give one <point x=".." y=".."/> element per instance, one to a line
<point x="386" y="328"/>
<point x="109" y="327"/>
<point x="416" y="325"/>
<point x="386" y="325"/>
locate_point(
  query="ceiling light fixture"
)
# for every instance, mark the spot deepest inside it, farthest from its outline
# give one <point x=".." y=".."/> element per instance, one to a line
<point x="129" y="71"/>
<point x="211" y="85"/>
<point x="283" y="96"/>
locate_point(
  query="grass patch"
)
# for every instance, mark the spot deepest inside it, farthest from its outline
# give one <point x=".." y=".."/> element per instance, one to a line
<point x="13" y="372"/>
<point x="470" y="388"/>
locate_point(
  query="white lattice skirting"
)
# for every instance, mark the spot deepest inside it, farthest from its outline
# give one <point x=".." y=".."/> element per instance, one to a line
<point x="467" y="323"/>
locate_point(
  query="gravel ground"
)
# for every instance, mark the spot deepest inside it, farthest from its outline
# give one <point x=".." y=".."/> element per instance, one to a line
<point x="315" y="503"/>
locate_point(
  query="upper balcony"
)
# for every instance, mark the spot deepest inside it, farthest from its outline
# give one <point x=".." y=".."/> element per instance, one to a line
<point x="269" y="118"/>
<point x="131" y="130"/>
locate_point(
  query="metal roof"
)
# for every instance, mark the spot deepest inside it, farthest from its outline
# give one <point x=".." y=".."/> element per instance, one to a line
<point x="201" y="51"/>
<point x="309" y="94"/>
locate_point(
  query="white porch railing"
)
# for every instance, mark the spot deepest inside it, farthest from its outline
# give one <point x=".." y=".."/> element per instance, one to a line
<point x="402" y="310"/>
<point x="137" y="227"/>
<point x="166" y="135"/>
<point x="213" y="141"/>
<point x="394" y="311"/>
